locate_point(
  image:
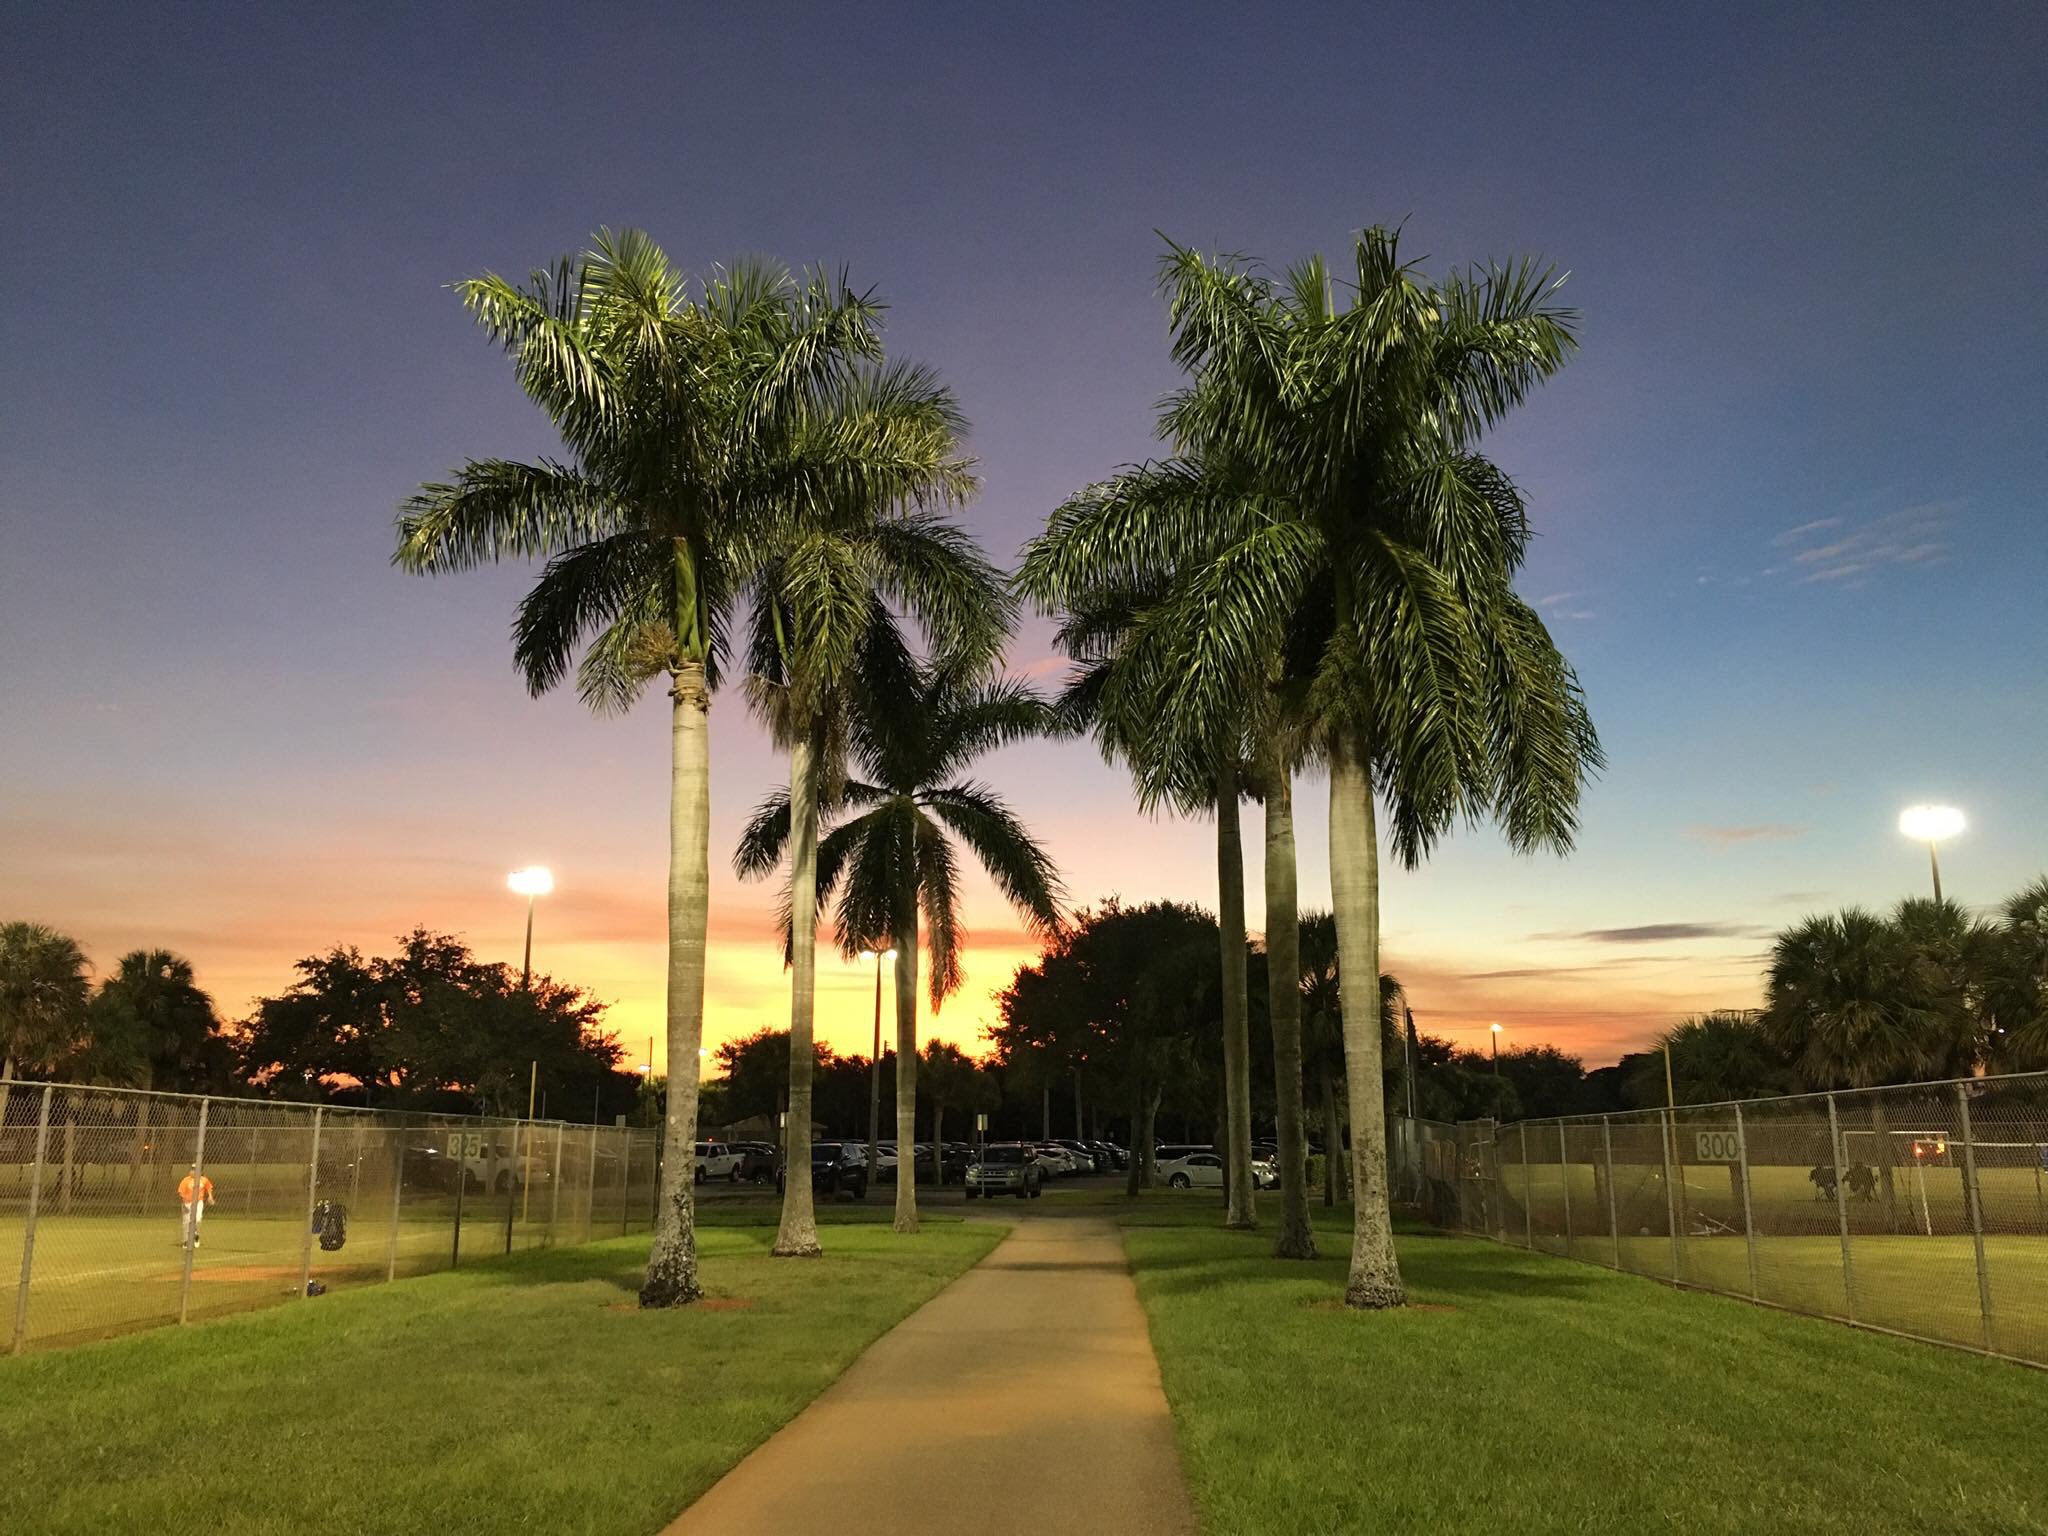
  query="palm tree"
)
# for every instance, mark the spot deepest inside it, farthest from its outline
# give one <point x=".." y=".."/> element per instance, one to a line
<point x="1328" y="485"/>
<point x="1098" y="622"/>
<point x="1323" y="1033"/>
<point x="703" y="424"/>
<point x="1842" y="1005"/>
<point x="42" y="1000"/>
<point x="154" y="1026"/>
<point x="2017" y="992"/>
<point x="822" y="617"/>
<point x="893" y="856"/>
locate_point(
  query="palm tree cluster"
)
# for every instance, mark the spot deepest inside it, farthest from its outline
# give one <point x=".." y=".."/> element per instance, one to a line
<point x="1857" y="999"/>
<point x="749" y="482"/>
<point x="1321" y="573"/>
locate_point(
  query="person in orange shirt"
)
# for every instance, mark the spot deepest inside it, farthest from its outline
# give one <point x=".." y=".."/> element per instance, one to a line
<point x="195" y="1190"/>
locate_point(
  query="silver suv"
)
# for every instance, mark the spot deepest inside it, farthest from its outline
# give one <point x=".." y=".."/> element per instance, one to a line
<point x="1005" y="1168"/>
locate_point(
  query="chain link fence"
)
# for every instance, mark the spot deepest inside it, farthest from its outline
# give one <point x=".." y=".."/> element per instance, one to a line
<point x="122" y="1210"/>
<point x="1917" y="1210"/>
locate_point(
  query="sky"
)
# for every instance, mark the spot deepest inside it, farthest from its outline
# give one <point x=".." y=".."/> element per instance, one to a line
<point x="1788" y="497"/>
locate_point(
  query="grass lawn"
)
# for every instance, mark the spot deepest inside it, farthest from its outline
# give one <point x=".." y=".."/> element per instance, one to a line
<point x="526" y="1393"/>
<point x="1532" y="1395"/>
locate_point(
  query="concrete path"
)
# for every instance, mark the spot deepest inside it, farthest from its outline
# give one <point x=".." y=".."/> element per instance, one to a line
<point x="1023" y="1398"/>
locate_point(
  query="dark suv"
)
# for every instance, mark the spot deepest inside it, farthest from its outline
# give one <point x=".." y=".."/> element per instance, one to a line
<point x="1006" y="1168"/>
<point x="835" y="1166"/>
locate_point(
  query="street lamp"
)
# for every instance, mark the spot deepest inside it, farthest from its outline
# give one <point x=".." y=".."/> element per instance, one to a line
<point x="532" y="882"/>
<point x="1929" y="824"/>
<point x="1496" y="1048"/>
<point x="875" y="1061"/>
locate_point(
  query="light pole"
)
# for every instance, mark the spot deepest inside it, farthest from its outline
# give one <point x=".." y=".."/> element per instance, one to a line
<point x="1496" y="1048"/>
<point x="1929" y="824"/>
<point x="532" y="882"/>
<point x="875" y="1069"/>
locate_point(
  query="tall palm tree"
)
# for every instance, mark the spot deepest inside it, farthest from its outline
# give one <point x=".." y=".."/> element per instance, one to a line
<point x="892" y="857"/>
<point x="43" y="993"/>
<point x="1328" y="482"/>
<point x="703" y="422"/>
<point x="1323" y="1033"/>
<point x="823" y="617"/>
<point x="1099" y="621"/>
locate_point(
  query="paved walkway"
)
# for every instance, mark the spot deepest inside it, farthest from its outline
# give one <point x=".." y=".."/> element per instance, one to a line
<point x="1023" y="1398"/>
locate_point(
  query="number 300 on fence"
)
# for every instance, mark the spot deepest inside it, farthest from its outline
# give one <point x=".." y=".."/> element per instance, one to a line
<point x="1719" y="1147"/>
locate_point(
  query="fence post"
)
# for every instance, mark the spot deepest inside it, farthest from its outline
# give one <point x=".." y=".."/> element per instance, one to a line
<point x="1613" y="1210"/>
<point x="1842" y="1209"/>
<point x="625" y="1178"/>
<point x="28" y="1230"/>
<point x="1528" y="1200"/>
<point x="1973" y="1199"/>
<point x="590" y="1188"/>
<point x="192" y="1238"/>
<point x="461" y="1139"/>
<point x="1665" y="1134"/>
<point x="513" y="1185"/>
<point x="1748" y="1222"/>
<point x="397" y="1194"/>
<point x="1564" y="1174"/>
<point x="555" y="1184"/>
<point x="312" y="1199"/>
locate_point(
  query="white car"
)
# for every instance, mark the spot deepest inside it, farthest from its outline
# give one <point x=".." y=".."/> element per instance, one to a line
<point x="1196" y="1169"/>
<point x="1057" y="1162"/>
<point x="719" y="1160"/>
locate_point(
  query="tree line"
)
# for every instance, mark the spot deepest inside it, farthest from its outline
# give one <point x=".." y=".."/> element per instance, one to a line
<point x="427" y="1027"/>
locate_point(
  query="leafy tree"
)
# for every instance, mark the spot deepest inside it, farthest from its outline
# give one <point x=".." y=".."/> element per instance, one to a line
<point x="429" y="1025"/>
<point x="703" y="426"/>
<point x="1346" y="500"/>
<point x="890" y="856"/>
<point x="43" y="995"/>
<point x="951" y="1079"/>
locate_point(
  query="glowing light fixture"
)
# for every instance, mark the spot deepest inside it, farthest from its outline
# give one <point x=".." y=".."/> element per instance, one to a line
<point x="533" y="881"/>
<point x="1930" y="824"/>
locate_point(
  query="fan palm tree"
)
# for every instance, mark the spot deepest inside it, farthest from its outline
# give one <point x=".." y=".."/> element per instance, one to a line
<point x="703" y="422"/>
<point x="824" y="616"/>
<point x="43" y="992"/>
<point x="2017" y="991"/>
<point x="1328" y="483"/>
<point x="1842" y="1004"/>
<point x="892" y="857"/>
<point x="153" y="1025"/>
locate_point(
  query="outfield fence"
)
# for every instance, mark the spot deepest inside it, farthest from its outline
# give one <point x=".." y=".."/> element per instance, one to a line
<point x="96" y="1237"/>
<point x="1917" y="1210"/>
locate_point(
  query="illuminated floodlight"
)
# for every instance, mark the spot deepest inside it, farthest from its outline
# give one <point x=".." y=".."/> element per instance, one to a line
<point x="534" y="880"/>
<point x="1930" y="823"/>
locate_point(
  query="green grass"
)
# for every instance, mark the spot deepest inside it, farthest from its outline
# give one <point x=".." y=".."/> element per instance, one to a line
<point x="1533" y="1395"/>
<point x="526" y="1393"/>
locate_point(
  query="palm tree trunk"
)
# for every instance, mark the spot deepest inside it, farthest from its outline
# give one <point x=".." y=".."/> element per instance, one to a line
<point x="1297" y="1238"/>
<point x="906" y="1074"/>
<point x="1333" y="1152"/>
<point x="1241" y="1210"/>
<point x="672" y="1261"/>
<point x="1148" y="1150"/>
<point x="1134" y="1174"/>
<point x="1375" y="1279"/>
<point x="797" y="1238"/>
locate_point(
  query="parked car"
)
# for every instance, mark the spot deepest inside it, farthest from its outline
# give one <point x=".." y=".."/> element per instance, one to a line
<point x="1084" y="1158"/>
<point x="1173" y="1151"/>
<point x="757" y="1161"/>
<point x="836" y="1166"/>
<point x="1192" y="1169"/>
<point x="718" y="1160"/>
<point x="1109" y="1157"/>
<point x="884" y="1171"/>
<point x="1006" y="1168"/>
<point x="1055" y="1159"/>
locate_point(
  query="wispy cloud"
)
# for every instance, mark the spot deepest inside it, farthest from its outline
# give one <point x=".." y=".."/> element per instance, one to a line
<point x="1032" y="671"/>
<point x="1760" y="832"/>
<point x="1837" y="552"/>
<point x="1657" y="933"/>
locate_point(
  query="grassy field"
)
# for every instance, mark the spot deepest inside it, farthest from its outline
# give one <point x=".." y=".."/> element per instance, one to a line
<point x="1531" y="1395"/>
<point x="526" y="1393"/>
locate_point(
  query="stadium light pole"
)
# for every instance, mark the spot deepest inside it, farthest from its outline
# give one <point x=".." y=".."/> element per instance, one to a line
<point x="532" y="882"/>
<point x="875" y="1064"/>
<point x="1495" y="1027"/>
<point x="1929" y="824"/>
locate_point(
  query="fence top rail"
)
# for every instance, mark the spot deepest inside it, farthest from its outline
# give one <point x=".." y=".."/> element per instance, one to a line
<point x="1990" y="1080"/>
<point x="428" y="1118"/>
